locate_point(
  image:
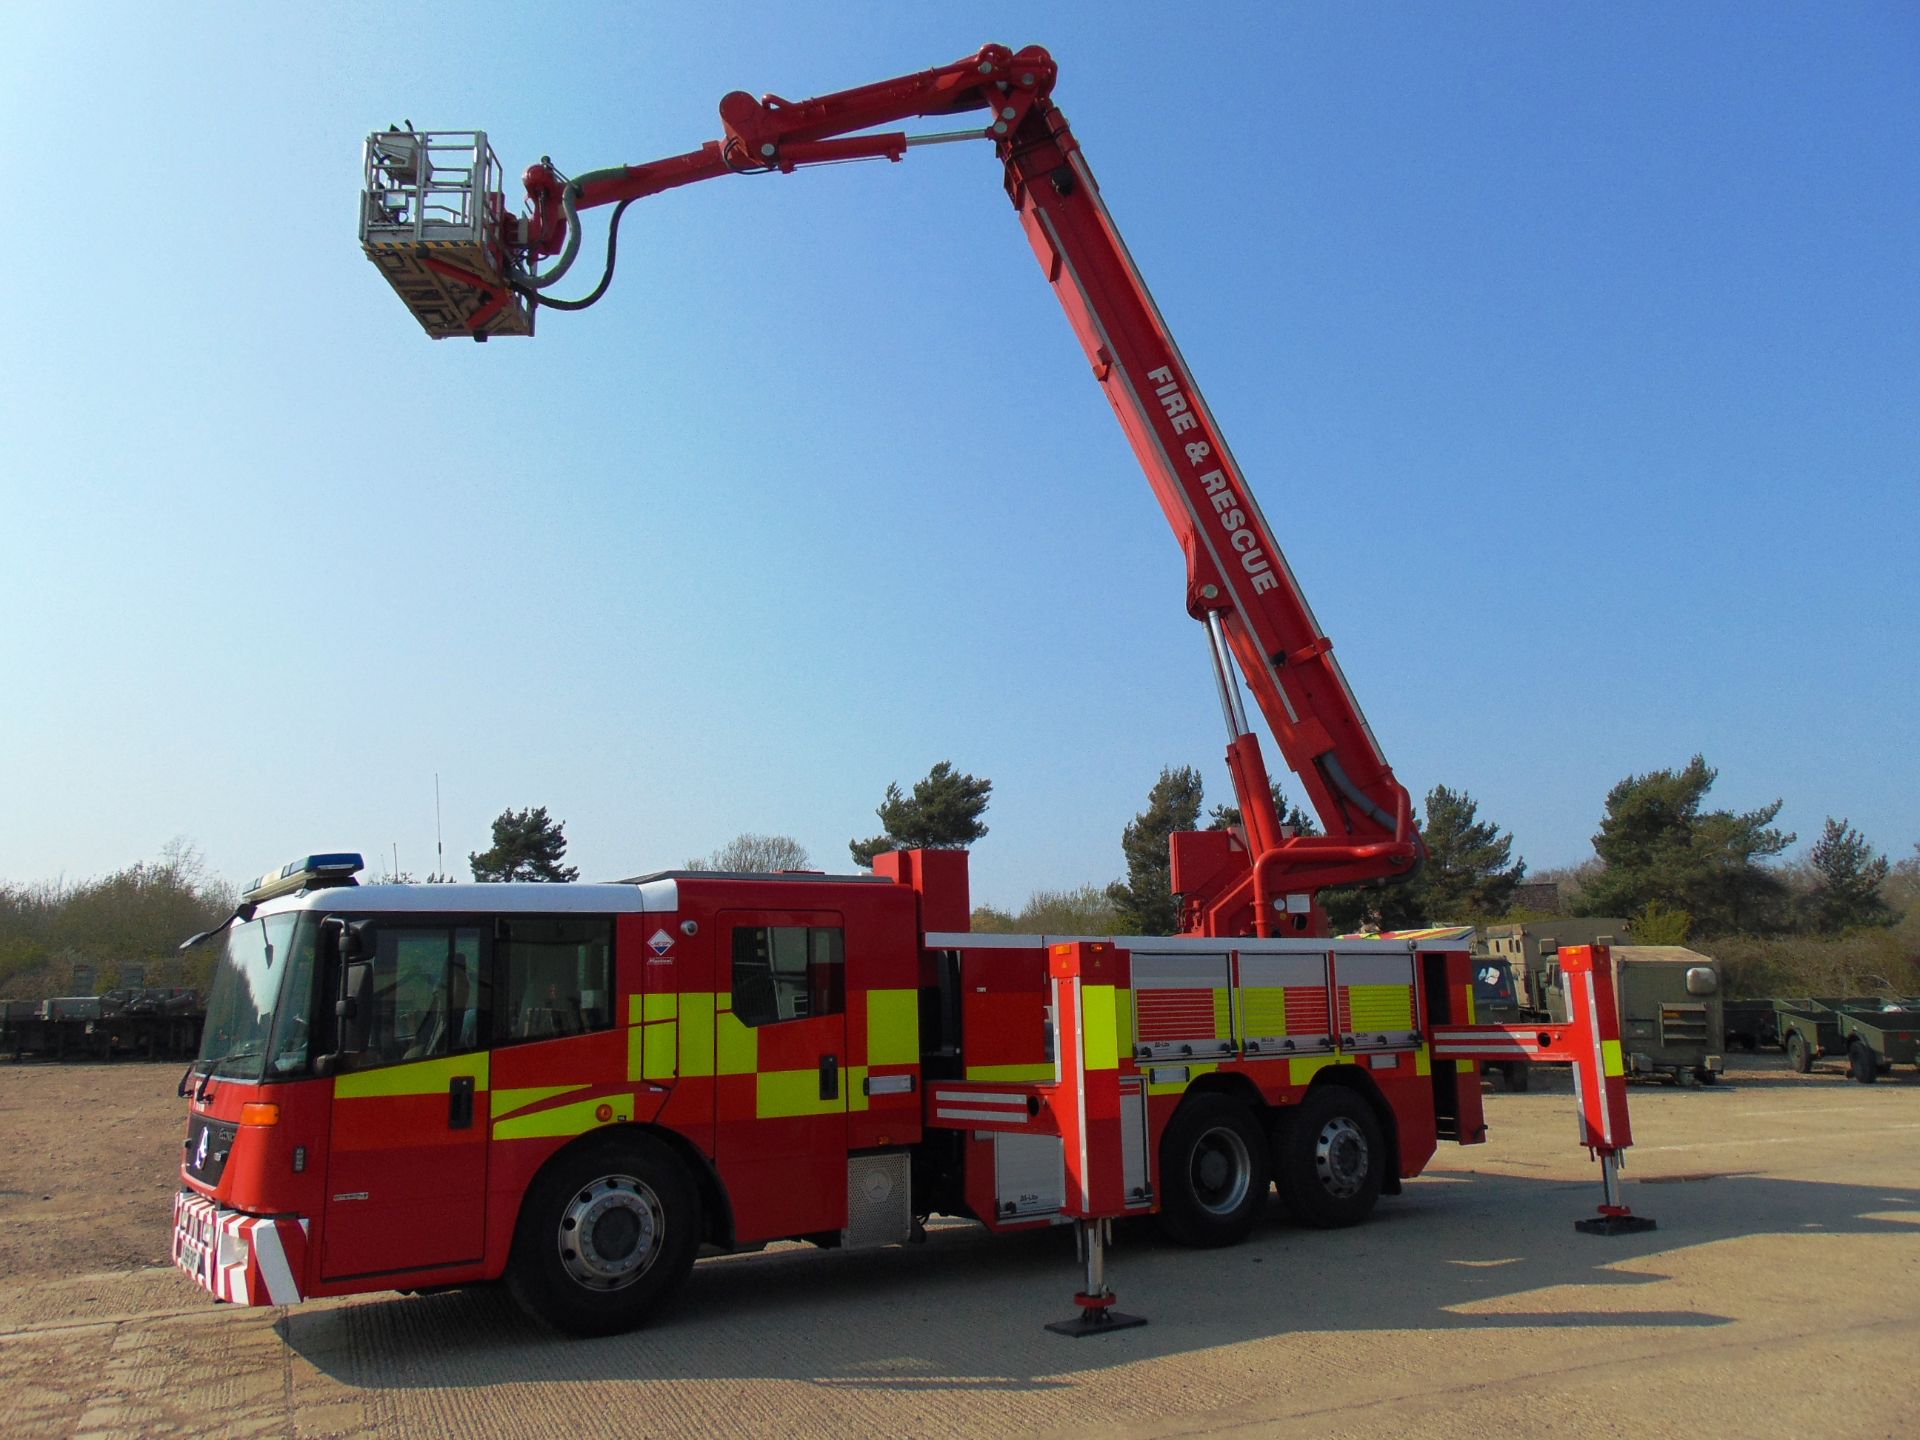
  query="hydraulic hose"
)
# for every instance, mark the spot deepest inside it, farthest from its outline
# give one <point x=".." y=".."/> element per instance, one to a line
<point x="1344" y="784"/>
<point x="606" y="279"/>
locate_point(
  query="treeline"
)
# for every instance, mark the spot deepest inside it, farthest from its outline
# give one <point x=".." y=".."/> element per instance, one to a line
<point x="1842" y="920"/>
<point x="138" y="915"/>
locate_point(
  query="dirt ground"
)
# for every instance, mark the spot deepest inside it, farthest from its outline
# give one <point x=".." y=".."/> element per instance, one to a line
<point x="1780" y="1295"/>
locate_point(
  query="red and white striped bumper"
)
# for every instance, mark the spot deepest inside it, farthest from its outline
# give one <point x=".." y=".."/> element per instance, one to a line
<point x="242" y="1259"/>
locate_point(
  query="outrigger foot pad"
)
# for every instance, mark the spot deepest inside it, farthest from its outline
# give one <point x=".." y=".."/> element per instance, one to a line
<point x="1615" y="1225"/>
<point x="1096" y="1320"/>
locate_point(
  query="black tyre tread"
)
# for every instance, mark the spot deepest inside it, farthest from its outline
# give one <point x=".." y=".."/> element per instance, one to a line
<point x="534" y="1276"/>
<point x="1861" y="1064"/>
<point x="1182" y="1217"/>
<point x="1293" y="1162"/>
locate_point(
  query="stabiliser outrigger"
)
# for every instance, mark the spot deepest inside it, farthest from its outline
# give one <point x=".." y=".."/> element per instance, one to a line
<point x="436" y="222"/>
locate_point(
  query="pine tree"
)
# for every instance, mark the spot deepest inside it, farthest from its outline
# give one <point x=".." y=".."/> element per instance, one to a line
<point x="942" y="813"/>
<point x="1846" y="891"/>
<point x="1145" y="898"/>
<point x="1657" y="844"/>
<point x="527" y="845"/>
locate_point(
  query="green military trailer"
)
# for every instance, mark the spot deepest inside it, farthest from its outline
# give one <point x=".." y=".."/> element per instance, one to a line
<point x="1873" y="1034"/>
<point x="1671" y="1026"/>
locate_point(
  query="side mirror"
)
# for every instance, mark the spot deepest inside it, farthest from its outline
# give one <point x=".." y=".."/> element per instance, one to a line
<point x="349" y="945"/>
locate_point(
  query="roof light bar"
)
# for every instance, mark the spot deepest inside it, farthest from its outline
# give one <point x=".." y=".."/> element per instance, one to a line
<point x="310" y="872"/>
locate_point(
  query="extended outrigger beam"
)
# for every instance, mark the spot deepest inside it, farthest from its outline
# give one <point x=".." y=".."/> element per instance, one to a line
<point x="1590" y="1043"/>
<point x="1083" y="976"/>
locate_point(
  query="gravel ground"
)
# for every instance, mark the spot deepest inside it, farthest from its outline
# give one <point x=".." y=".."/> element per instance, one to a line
<point x="1780" y="1295"/>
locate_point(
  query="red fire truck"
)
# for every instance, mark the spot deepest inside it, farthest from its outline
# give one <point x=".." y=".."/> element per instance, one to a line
<point x="574" y="1088"/>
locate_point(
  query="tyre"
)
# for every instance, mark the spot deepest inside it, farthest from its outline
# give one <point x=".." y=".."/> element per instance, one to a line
<point x="1861" y="1065"/>
<point x="607" y="1233"/>
<point x="1516" y="1075"/>
<point x="1704" y="1076"/>
<point x="1330" y="1158"/>
<point x="1213" y="1172"/>
<point x="1799" y="1056"/>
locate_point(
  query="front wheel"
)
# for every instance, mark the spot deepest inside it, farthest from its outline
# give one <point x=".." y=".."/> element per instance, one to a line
<point x="1213" y="1172"/>
<point x="1330" y="1158"/>
<point x="607" y="1233"/>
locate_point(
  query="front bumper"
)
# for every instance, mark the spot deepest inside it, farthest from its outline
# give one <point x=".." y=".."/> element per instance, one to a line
<point x="239" y="1258"/>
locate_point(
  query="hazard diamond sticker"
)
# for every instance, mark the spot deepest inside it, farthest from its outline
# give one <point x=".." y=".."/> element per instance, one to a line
<point x="660" y="942"/>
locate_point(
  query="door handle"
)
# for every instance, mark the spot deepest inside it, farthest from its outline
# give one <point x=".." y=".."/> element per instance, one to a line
<point x="829" y="1077"/>
<point x="460" y="1103"/>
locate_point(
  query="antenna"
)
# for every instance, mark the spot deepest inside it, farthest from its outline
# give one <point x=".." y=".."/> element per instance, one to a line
<point x="439" y="848"/>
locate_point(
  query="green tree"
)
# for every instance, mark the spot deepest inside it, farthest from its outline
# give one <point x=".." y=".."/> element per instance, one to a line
<point x="1144" y="900"/>
<point x="139" y="914"/>
<point x="1847" y="881"/>
<point x="752" y="854"/>
<point x="1902" y="889"/>
<point x="527" y="845"/>
<point x="1657" y="844"/>
<point x="1470" y="871"/>
<point x="1656" y="924"/>
<point x="942" y="813"/>
<point x="1084" y="910"/>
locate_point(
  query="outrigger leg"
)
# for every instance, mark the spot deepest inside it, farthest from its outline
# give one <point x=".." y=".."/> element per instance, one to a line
<point x="1615" y="1218"/>
<point x="1588" y="1041"/>
<point x="1097" y="1315"/>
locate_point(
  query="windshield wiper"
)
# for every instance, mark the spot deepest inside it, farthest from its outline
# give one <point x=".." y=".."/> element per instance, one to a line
<point x="243" y="911"/>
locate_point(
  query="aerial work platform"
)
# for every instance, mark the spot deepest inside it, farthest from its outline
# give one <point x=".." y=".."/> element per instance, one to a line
<point x="431" y="213"/>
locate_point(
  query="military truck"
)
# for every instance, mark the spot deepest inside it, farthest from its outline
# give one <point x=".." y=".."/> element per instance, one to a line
<point x="1671" y="1024"/>
<point x="1528" y="947"/>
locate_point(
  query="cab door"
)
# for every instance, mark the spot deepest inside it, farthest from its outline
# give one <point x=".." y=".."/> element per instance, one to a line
<point x="781" y="1073"/>
<point x="407" y="1166"/>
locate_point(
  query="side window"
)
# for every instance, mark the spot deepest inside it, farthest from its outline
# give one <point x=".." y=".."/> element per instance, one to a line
<point x="427" y="993"/>
<point x="557" y="975"/>
<point x="788" y="972"/>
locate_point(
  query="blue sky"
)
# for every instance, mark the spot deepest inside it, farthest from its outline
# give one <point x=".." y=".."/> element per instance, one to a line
<point x="1573" y="353"/>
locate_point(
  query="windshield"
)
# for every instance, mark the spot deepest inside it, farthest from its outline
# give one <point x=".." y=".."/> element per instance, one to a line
<point x="262" y="968"/>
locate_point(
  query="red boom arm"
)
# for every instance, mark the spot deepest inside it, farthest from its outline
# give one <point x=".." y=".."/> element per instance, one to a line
<point x="1237" y="580"/>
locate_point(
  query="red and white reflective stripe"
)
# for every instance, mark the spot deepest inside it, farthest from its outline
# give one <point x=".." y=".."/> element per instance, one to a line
<point x="1488" y="1042"/>
<point x="241" y="1259"/>
<point x="992" y="1106"/>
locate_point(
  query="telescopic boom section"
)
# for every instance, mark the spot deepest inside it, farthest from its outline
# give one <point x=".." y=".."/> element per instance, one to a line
<point x="1238" y="583"/>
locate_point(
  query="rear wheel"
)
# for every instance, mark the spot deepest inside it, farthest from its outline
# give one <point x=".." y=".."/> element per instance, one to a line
<point x="1330" y="1159"/>
<point x="1798" y="1055"/>
<point x="1517" y="1075"/>
<point x="1861" y="1065"/>
<point x="1706" y="1077"/>
<point x="1213" y="1172"/>
<point x="606" y="1234"/>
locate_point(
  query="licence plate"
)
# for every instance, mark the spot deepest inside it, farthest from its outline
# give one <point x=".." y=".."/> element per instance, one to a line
<point x="195" y="1239"/>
